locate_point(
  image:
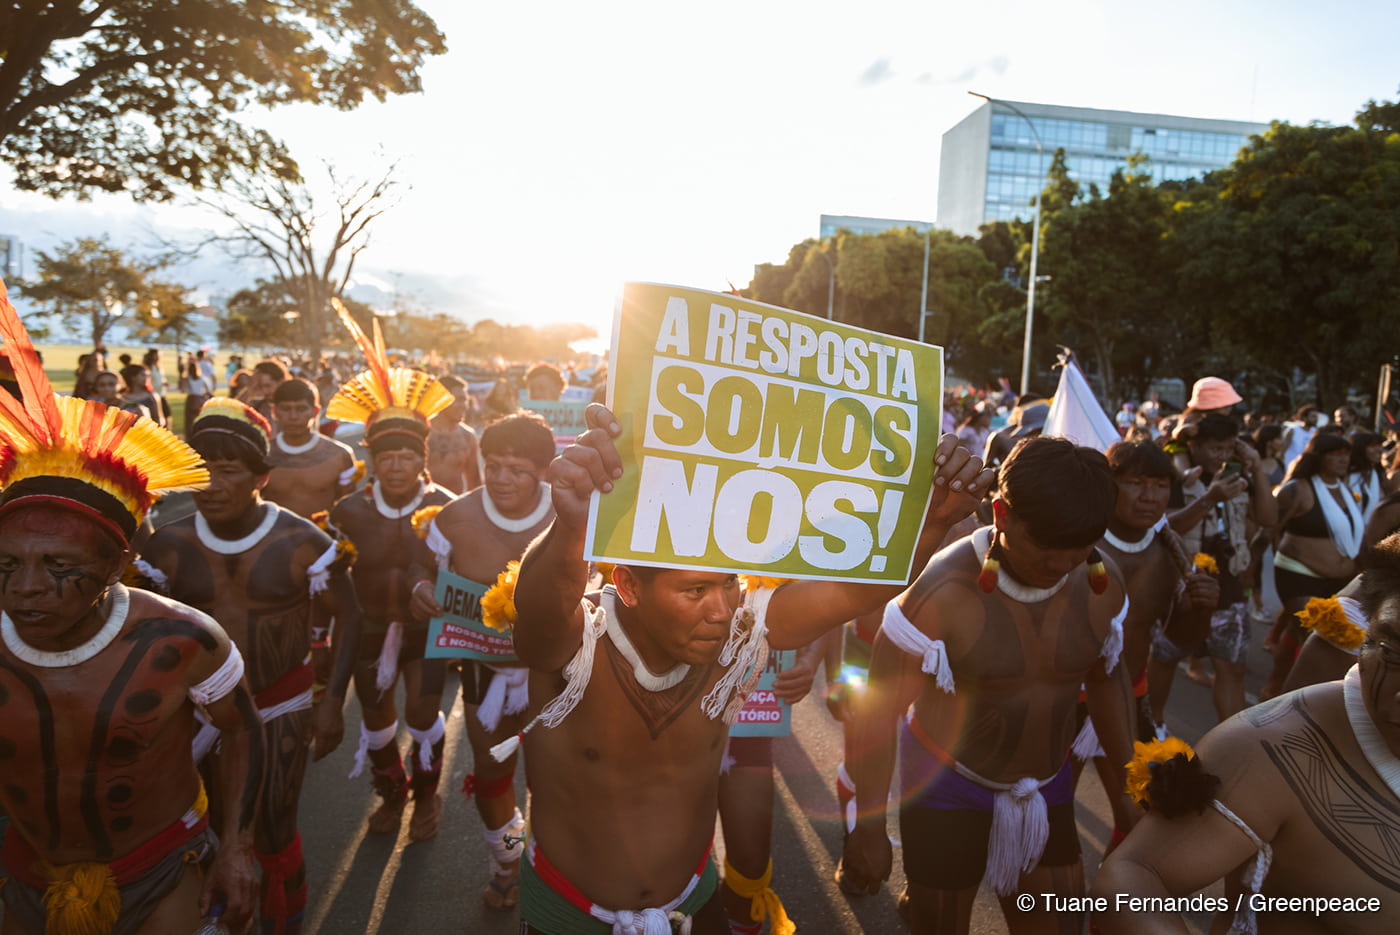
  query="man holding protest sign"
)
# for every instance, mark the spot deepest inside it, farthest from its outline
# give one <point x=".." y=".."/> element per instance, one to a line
<point x="752" y="438"/>
<point x="476" y="537"/>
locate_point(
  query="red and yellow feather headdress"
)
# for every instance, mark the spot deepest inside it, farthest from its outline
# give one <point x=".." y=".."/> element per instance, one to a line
<point x="80" y="453"/>
<point x="388" y="400"/>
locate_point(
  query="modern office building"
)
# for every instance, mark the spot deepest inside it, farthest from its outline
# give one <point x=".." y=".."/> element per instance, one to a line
<point x="11" y="255"/>
<point x="989" y="169"/>
<point x="831" y="223"/>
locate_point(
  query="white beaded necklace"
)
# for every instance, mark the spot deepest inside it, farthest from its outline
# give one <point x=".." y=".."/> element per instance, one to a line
<point x="213" y="543"/>
<point x="1128" y="548"/>
<point x="389" y="512"/>
<point x="116" y="619"/>
<point x="1014" y="589"/>
<point x="652" y="683"/>
<point x="505" y="523"/>
<point x="296" y="449"/>
<point x="1368" y="737"/>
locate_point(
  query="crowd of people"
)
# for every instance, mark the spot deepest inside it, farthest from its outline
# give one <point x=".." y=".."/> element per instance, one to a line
<point x="165" y="689"/>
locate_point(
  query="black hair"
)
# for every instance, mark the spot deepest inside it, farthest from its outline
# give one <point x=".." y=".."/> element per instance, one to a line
<point x="452" y="383"/>
<point x="296" y="390"/>
<point x="1063" y="492"/>
<point x="521" y="434"/>
<point x="1381" y="579"/>
<point x="225" y="446"/>
<point x="1360" y="464"/>
<point x="545" y="370"/>
<point x="1140" y="459"/>
<point x="272" y="368"/>
<point x="1263" y="436"/>
<point x="1320" y="445"/>
<point x="1216" y="427"/>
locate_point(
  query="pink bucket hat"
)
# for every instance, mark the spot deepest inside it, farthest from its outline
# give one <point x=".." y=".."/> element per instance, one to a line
<point x="1212" y="393"/>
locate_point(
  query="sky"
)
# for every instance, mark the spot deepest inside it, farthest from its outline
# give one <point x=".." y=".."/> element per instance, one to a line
<point x="559" y="149"/>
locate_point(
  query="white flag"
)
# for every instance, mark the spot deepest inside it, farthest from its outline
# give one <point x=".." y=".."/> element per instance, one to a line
<point x="1075" y="413"/>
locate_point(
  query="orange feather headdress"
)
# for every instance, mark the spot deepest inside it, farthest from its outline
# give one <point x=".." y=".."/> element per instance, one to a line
<point x="394" y="403"/>
<point x="81" y="454"/>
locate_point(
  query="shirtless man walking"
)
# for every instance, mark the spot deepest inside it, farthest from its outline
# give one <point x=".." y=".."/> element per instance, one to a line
<point x="1308" y="802"/>
<point x="391" y="559"/>
<point x="109" y="825"/>
<point x="269" y="577"/>
<point x="452" y="447"/>
<point x="475" y="536"/>
<point x="310" y="472"/>
<point x="624" y="784"/>
<point x="991" y="645"/>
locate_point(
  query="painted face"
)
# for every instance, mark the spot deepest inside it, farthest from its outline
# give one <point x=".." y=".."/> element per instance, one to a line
<point x="1141" y="500"/>
<point x="513" y="483"/>
<point x="1380" y="672"/>
<point x="686" y="614"/>
<point x="398" y="470"/>
<point x="1031" y="563"/>
<point x="54" y="568"/>
<point x="297" y="414"/>
<point x="233" y="489"/>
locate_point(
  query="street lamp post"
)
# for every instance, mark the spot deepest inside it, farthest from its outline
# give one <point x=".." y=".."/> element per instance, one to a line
<point x="923" y="292"/>
<point x="831" y="282"/>
<point x="1035" y="239"/>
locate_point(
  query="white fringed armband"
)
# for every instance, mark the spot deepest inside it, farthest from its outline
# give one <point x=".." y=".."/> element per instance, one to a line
<point x="224" y="680"/>
<point x="318" y="574"/>
<point x="745" y="653"/>
<point x="1113" y="645"/>
<point x="437" y="543"/>
<point x="910" y="639"/>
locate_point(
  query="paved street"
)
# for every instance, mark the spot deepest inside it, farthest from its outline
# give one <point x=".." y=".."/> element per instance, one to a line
<point x="373" y="885"/>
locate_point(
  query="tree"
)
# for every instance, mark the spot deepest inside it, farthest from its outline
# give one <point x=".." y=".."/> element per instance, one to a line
<point x="89" y="284"/>
<point x="275" y="221"/>
<point x="145" y="96"/>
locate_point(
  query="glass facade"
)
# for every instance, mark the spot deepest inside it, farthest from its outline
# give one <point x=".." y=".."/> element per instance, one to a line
<point x="1093" y="151"/>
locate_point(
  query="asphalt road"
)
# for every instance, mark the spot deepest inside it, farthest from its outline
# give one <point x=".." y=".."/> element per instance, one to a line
<point x="374" y="885"/>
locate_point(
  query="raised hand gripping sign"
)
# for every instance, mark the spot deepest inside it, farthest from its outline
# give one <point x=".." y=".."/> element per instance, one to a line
<point x="755" y="438"/>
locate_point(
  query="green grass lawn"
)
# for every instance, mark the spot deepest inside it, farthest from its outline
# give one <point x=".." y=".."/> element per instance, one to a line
<point x="61" y="365"/>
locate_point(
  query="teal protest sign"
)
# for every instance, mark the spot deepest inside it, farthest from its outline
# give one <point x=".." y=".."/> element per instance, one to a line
<point x="459" y="632"/>
<point x="756" y="438"/>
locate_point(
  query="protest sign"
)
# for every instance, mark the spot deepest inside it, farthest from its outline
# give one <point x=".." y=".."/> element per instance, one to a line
<point x="758" y="438"/>
<point x="459" y="632"/>
<point x="765" y="714"/>
<point x="565" y="418"/>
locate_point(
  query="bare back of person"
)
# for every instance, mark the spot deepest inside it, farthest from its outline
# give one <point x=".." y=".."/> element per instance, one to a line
<point x="1019" y="666"/>
<point x="452" y="458"/>
<point x="260" y="596"/>
<point x="307" y="482"/>
<point x="106" y="748"/>
<point x="636" y="769"/>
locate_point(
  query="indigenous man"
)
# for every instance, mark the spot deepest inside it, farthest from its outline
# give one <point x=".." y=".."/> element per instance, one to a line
<point x="270" y="577"/>
<point x="544" y="381"/>
<point x="476" y="536"/>
<point x="1169" y="599"/>
<point x="452" y="449"/>
<point x="991" y="645"/>
<point x="1308" y="802"/>
<point x="624" y="782"/>
<point x="109" y="824"/>
<point x="395" y="405"/>
<point x="310" y="472"/>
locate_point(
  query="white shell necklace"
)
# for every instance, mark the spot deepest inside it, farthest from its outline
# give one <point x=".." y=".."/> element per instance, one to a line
<point x="1368" y="737"/>
<point x="389" y="512"/>
<point x="1009" y="586"/>
<point x="1128" y="548"/>
<point x="116" y="619"/>
<point x="643" y="675"/>
<point x="505" y="523"/>
<point x="296" y="449"/>
<point x="213" y="543"/>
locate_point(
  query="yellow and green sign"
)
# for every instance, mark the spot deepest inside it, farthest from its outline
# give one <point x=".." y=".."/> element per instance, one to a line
<point x="756" y="438"/>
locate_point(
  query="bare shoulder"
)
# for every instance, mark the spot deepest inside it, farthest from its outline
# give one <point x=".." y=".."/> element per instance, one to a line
<point x="437" y="495"/>
<point x="300" y="530"/>
<point x="946" y="590"/>
<point x="343" y="451"/>
<point x="462" y="511"/>
<point x="1111" y="603"/>
<point x="155" y="617"/>
<point x="353" y="506"/>
<point x="167" y="541"/>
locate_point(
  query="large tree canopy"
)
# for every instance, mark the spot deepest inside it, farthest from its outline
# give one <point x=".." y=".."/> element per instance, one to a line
<point x="144" y="95"/>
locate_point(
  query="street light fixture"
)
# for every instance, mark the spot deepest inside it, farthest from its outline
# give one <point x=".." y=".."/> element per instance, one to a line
<point x="1035" y="238"/>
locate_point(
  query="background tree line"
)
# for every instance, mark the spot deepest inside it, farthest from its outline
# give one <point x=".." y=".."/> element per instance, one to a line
<point x="1279" y="271"/>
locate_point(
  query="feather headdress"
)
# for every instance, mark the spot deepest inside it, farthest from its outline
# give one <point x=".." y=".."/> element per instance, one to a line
<point x="227" y="416"/>
<point x="390" y="401"/>
<point x="80" y="453"/>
